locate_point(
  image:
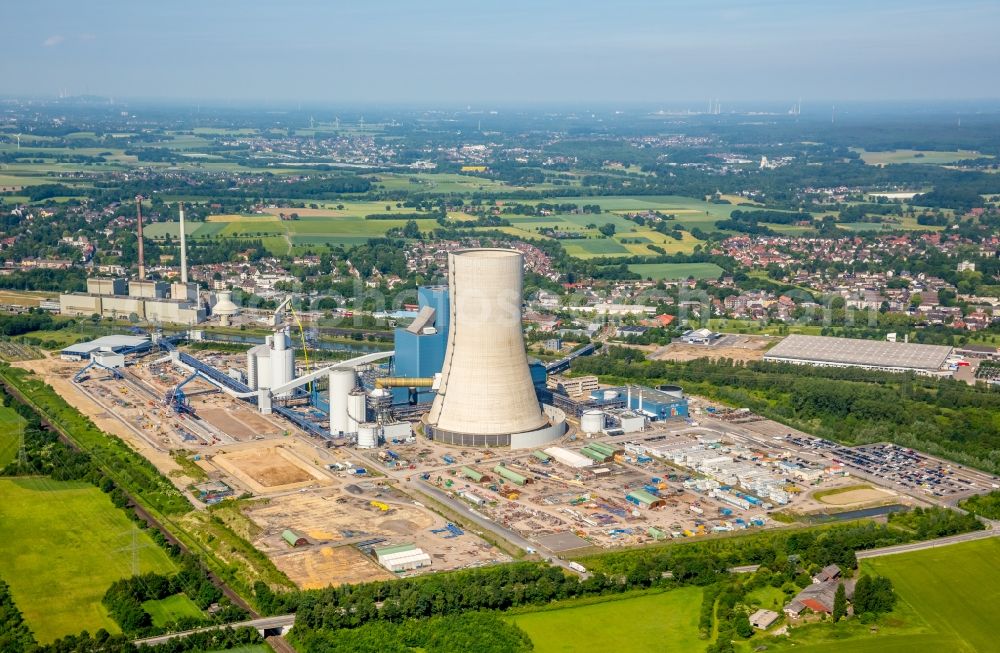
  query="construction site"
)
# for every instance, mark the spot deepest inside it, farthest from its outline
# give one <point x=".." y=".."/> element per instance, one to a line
<point x="417" y="460"/>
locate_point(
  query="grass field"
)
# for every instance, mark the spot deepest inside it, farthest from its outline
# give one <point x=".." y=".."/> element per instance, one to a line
<point x="171" y="609"/>
<point x="956" y="589"/>
<point x="948" y="600"/>
<point x="62" y="544"/>
<point x="11" y="425"/>
<point x="660" y="271"/>
<point x="664" y="623"/>
<point x="915" y="156"/>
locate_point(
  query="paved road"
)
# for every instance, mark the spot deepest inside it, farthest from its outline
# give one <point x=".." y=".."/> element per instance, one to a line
<point x="928" y="544"/>
<point x="264" y="622"/>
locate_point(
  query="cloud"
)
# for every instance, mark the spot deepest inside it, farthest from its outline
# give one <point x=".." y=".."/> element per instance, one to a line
<point x="53" y="40"/>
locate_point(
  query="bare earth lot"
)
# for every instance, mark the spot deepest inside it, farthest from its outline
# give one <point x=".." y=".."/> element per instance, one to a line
<point x="736" y="347"/>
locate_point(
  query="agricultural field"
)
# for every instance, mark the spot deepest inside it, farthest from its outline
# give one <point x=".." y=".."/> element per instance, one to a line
<point x="666" y="622"/>
<point x="914" y="156"/>
<point x="62" y="544"/>
<point x="948" y="599"/>
<point x="315" y="228"/>
<point x="674" y="271"/>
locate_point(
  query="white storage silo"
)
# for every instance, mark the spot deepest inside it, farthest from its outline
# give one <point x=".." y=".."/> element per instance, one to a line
<point x="592" y="421"/>
<point x="282" y="361"/>
<point x="357" y="409"/>
<point x="264" y="365"/>
<point x="342" y="381"/>
<point x="368" y="435"/>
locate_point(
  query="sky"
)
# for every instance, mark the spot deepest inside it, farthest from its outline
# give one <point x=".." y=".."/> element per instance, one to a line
<point x="506" y="51"/>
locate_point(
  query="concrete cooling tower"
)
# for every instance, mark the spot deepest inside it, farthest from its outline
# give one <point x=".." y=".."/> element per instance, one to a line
<point x="486" y="396"/>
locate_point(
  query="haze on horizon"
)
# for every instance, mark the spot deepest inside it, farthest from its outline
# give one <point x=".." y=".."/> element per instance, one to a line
<point x="515" y="51"/>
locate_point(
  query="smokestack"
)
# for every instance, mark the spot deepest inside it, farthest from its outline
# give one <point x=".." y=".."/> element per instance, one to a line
<point x="142" y="260"/>
<point x="184" y="262"/>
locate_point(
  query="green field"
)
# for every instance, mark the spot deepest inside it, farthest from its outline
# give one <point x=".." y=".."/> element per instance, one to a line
<point x="665" y="623"/>
<point x="171" y="609"/>
<point x="948" y="601"/>
<point x="62" y="544"/>
<point x="661" y="271"/>
<point x="956" y="589"/>
<point x="914" y="156"/>
<point x="11" y="425"/>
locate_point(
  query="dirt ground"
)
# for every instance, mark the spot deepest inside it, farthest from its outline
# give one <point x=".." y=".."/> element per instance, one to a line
<point x="334" y="521"/>
<point x="268" y="469"/>
<point x="242" y="425"/>
<point x="856" y="497"/>
<point x="736" y="347"/>
<point x="315" y="568"/>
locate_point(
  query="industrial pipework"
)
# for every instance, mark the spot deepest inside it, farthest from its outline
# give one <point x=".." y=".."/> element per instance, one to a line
<point x="404" y="382"/>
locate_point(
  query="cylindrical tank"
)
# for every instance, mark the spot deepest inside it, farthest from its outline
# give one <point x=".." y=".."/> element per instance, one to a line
<point x="357" y="409"/>
<point x="282" y="362"/>
<point x="485" y="384"/>
<point x="368" y="435"/>
<point x="672" y="390"/>
<point x="592" y="421"/>
<point x="342" y="381"/>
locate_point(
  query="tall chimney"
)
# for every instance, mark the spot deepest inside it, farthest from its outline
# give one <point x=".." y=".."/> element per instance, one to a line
<point x="184" y="261"/>
<point x="142" y="260"/>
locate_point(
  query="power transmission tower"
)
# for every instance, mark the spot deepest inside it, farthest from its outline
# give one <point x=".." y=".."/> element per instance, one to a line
<point x="134" y="548"/>
<point x="22" y="454"/>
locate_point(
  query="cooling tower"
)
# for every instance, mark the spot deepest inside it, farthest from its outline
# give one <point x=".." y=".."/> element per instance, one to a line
<point x="486" y="397"/>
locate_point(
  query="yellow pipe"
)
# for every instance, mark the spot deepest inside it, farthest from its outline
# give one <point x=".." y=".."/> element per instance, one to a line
<point x="404" y="382"/>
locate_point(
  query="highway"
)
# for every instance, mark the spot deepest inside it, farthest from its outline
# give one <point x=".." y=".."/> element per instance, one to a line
<point x="264" y="623"/>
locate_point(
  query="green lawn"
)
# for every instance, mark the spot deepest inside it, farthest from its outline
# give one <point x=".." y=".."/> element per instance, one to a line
<point x="171" y="609"/>
<point x="11" y="425"/>
<point x="660" y="271"/>
<point x="665" y="623"/>
<point x="62" y="544"/>
<point x="767" y="597"/>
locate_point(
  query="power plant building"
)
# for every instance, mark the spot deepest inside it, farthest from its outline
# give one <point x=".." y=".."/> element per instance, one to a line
<point x="421" y="345"/>
<point x="139" y="299"/>
<point x="486" y="396"/>
<point x="657" y="405"/>
<point x="271" y="364"/>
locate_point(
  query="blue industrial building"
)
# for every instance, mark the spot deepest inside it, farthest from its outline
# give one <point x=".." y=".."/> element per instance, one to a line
<point x="420" y="346"/>
<point x="655" y="404"/>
